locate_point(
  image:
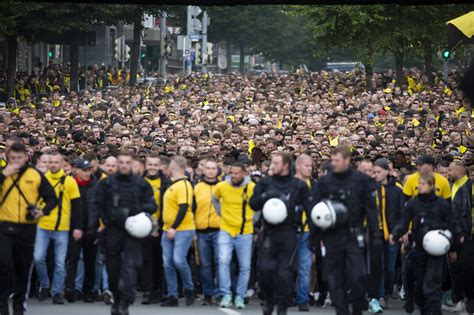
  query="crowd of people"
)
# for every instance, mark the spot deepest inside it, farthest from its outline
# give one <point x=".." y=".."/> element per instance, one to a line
<point x="203" y="155"/>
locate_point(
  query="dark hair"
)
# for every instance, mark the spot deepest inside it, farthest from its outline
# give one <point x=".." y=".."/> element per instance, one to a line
<point x="239" y="165"/>
<point x="344" y="151"/>
<point x="17" y="147"/>
<point x="286" y="158"/>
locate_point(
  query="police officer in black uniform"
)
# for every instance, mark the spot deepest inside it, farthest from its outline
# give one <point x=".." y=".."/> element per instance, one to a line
<point x="343" y="245"/>
<point x="278" y="242"/>
<point x="116" y="198"/>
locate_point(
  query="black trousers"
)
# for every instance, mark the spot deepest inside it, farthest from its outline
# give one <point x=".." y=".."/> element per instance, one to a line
<point x="123" y="259"/>
<point x="375" y="270"/>
<point x="345" y="272"/>
<point x="428" y="281"/>
<point x="463" y="272"/>
<point x="16" y="262"/>
<point x="151" y="273"/>
<point x="277" y="249"/>
<point x="89" y="253"/>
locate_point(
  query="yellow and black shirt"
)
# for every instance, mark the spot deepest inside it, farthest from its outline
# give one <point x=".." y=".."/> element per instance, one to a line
<point x="179" y="193"/>
<point x="236" y="214"/>
<point x="443" y="190"/>
<point x="67" y="214"/>
<point x="205" y="214"/>
<point x="18" y="191"/>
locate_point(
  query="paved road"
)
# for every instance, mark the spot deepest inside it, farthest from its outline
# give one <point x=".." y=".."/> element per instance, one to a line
<point x="47" y="308"/>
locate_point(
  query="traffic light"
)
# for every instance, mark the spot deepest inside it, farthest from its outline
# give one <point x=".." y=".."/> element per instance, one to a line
<point x="197" y="49"/>
<point x="210" y="52"/>
<point x="127" y="52"/>
<point x="143" y="55"/>
<point x="50" y="54"/>
<point x="118" y="47"/>
<point x="446" y="54"/>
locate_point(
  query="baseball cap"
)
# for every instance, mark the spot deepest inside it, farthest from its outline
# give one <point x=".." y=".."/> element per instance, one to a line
<point x="370" y="116"/>
<point x="82" y="164"/>
<point x="426" y="159"/>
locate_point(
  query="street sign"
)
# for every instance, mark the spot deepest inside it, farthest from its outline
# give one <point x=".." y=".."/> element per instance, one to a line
<point x="195" y="37"/>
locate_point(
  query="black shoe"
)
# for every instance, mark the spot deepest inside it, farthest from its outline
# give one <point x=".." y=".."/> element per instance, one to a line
<point x="470" y="305"/>
<point x="108" y="297"/>
<point x="147" y="298"/>
<point x="17" y="309"/>
<point x="89" y="297"/>
<point x="4" y="310"/>
<point x="58" y="299"/>
<point x="114" y="309"/>
<point x="207" y="300"/>
<point x="43" y="295"/>
<point x="303" y="307"/>
<point x="170" y="301"/>
<point x="156" y="297"/>
<point x="321" y="299"/>
<point x="70" y="295"/>
<point x="282" y="311"/>
<point x="409" y="305"/>
<point x="189" y="294"/>
<point x="123" y="308"/>
<point x="267" y="309"/>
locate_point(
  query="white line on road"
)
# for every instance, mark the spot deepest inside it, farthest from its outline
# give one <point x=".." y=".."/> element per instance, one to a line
<point x="228" y="311"/>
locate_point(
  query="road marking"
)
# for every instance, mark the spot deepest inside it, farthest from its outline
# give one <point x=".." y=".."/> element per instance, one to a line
<point x="228" y="311"/>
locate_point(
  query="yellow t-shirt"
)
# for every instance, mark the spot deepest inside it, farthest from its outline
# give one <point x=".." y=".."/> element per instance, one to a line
<point x="66" y="189"/>
<point x="156" y="186"/>
<point x="180" y="192"/>
<point x="234" y="219"/>
<point x="442" y="186"/>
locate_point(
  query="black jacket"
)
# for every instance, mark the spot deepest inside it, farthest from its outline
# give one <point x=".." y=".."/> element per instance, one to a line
<point x="394" y="202"/>
<point x="119" y="196"/>
<point x="86" y="190"/>
<point x="357" y="192"/>
<point x="292" y="191"/>
<point x="462" y="210"/>
<point x="426" y="212"/>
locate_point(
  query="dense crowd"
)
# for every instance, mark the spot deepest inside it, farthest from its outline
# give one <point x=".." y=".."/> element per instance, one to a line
<point x="218" y="128"/>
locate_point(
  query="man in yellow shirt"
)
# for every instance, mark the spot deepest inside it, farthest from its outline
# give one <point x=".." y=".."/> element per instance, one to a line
<point x="425" y="165"/>
<point x="178" y="232"/>
<point x="230" y="200"/>
<point x="207" y="225"/>
<point x="55" y="228"/>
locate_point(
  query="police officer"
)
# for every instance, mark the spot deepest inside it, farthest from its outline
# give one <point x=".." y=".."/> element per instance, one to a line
<point x="115" y="199"/>
<point x="344" y="243"/>
<point x="22" y="187"/>
<point x="279" y="241"/>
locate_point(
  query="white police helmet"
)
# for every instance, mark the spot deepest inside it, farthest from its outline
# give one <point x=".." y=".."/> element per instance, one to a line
<point x="437" y="242"/>
<point x="328" y="213"/>
<point x="274" y="211"/>
<point x="140" y="225"/>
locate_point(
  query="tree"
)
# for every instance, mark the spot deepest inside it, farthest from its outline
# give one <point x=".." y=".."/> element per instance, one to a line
<point x="351" y="26"/>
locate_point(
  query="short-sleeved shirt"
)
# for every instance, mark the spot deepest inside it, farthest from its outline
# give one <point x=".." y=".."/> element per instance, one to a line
<point x="180" y="192"/>
<point x="442" y="186"/>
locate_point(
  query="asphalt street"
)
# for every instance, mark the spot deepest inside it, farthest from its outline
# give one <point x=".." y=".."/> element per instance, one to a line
<point x="47" y="308"/>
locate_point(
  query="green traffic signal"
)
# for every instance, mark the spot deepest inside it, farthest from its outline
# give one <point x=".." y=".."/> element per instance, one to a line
<point x="446" y="54"/>
<point x="50" y="54"/>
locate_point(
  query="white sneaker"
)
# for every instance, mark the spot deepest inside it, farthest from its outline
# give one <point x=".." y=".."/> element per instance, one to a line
<point x="316" y="295"/>
<point x="459" y="307"/>
<point x="327" y="301"/>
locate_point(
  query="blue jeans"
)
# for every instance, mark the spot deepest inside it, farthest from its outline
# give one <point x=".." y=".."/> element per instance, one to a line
<point x="304" y="269"/>
<point x="60" y="241"/>
<point x="208" y="249"/>
<point x="80" y="273"/>
<point x="389" y="260"/>
<point x="175" y="254"/>
<point x="101" y="278"/>
<point x="243" y="248"/>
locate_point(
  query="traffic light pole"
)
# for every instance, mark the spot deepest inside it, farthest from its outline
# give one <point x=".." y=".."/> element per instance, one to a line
<point x="445" y="70"/>
<point x="204" y="43"/>
<point x="188" y="34"/>
<point x="163" y="45"/>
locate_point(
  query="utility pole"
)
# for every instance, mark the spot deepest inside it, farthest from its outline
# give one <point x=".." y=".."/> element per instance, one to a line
<point x="163" y="54"/>
<point x="204" y="42"/>
<point x="189" y="29"/>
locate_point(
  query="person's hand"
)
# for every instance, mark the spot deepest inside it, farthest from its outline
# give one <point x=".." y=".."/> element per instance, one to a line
<point x="77" y="235"/>
<point x="39" y="214"/>
<point x="391" y="240"/>
<point x="461" y="240"/>
<point x="101" y="228"/>
<point x="405" y="238"/>
<point x="10" y="169"/>
<point x="453" y="256"/>
<point x="170" y="234"/>
<point x="156" y="231"/>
